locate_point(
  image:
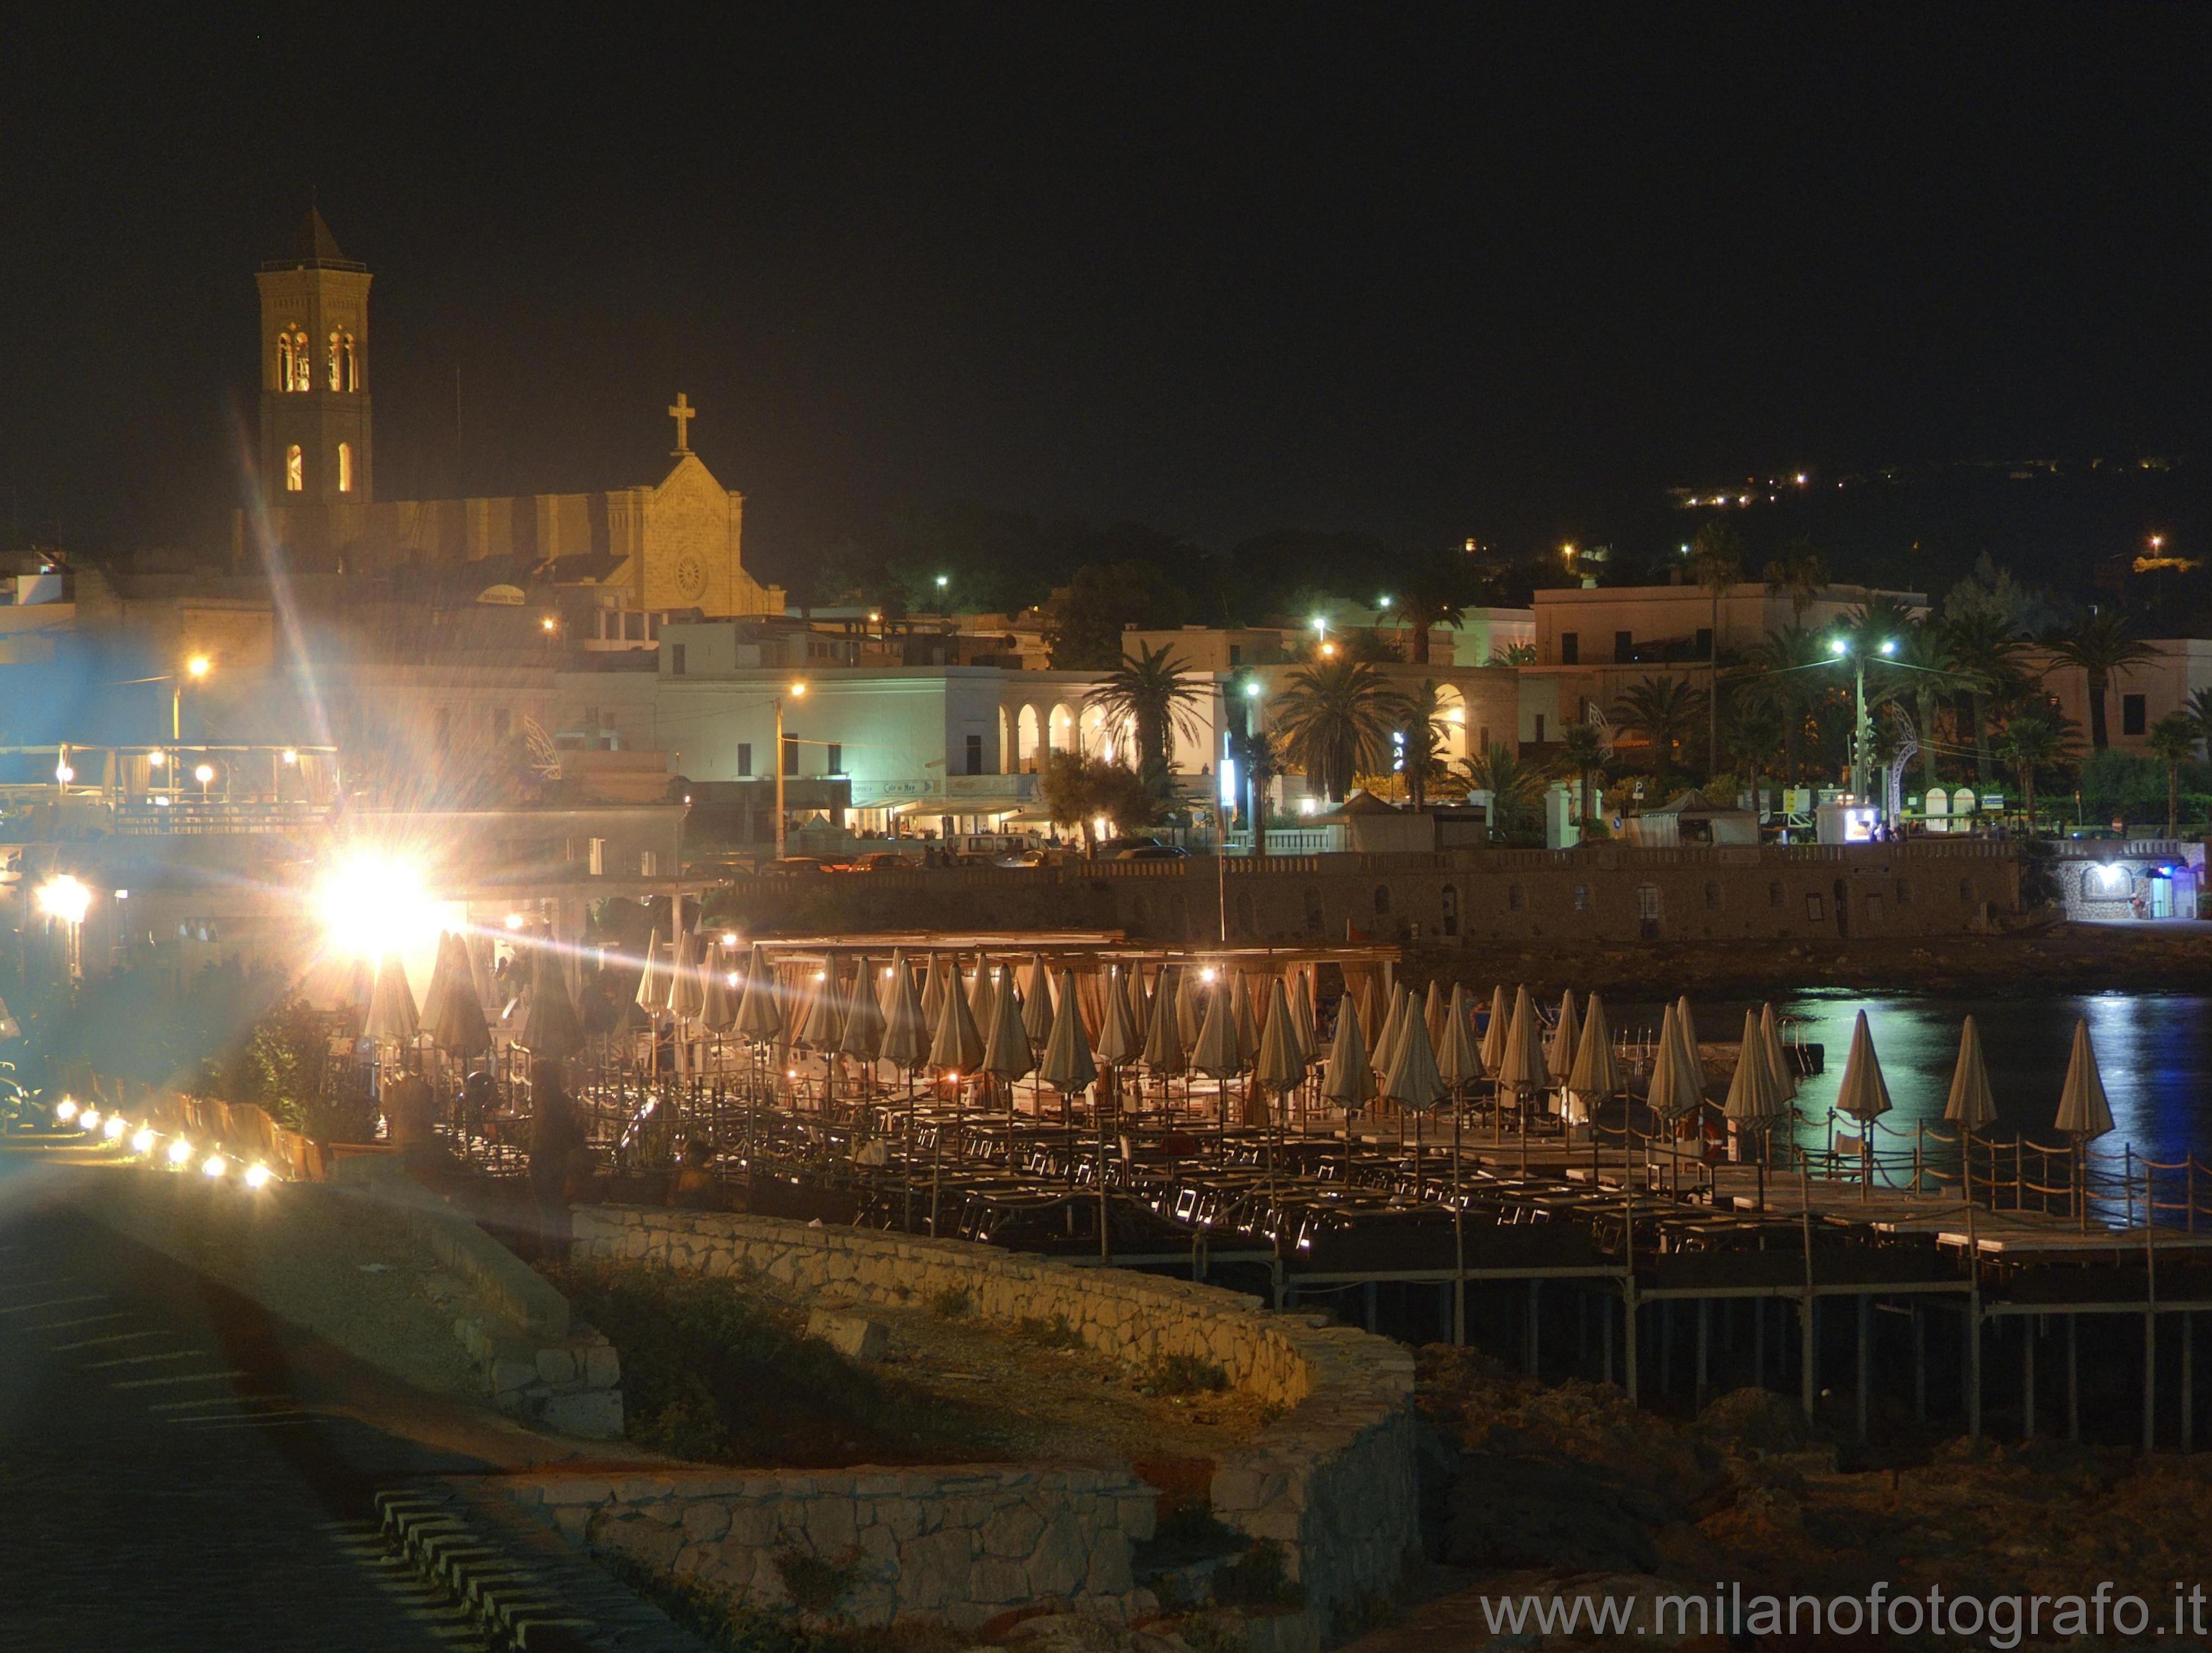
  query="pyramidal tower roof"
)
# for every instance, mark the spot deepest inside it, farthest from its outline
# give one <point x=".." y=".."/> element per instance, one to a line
<point x="315" y="247"/>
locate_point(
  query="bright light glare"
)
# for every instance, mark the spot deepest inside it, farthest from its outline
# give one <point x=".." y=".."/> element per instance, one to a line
<point x="256" y="1174"/>
<point x="198" y="666"/>
<point x="204" y="774"/>
<point x="65" y="774"/>
<point x="89" y="1119"/>
<point x="212" y="1164"/>
<point x="1889" y="646"/>
<point x="143" y="1141"/>
<point x="154" y="760"/>
<point x="1837" y="645"/>
<point x="116" y="1124"/>
<point x="799" y="691"/>
<point x="1252" y="689"/>
<point x="63" y="897"/>
<point x="514" y="920"/>
<point x="290" y="755"/>
<point x="179" y="1151"/>
<point x="729" y="938"/>
<point x="65" y="1111"/>
<point x="373" y="902"/>
<point x="1206" y="974"/>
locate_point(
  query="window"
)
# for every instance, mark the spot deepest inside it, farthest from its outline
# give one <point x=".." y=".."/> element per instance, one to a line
<point x="1705" y="640"/>
<point x="1451" y="909"/>
<point x="649" y="864"/>
<point x="1540" y="728"/>
<point x="745" y="760"/>
<point x="1647" y="900"/>
<point x="790" y="754"/>
<point x="296" y="470"/>
<point x="1774" y="893"/>
<point x="836" y="759"/>
<point x="1513" y="896"/>
<point x="1382" y="900"/>
<point x="1570" y="648"/>
<point x="596" y="857"/>
<point x="1872" y="907"/>
<point x="1816" y="910"/>
<point x="2131" y="715"/>
<point x="1581" y="898"/>
<point x="1624" y="647"/>
<point x="345" y="467"/>
<point x="974" y="754"/>
<point x="1712" y="895"/>
<point x="295" y="372"/>
<point x="343" y="376"/>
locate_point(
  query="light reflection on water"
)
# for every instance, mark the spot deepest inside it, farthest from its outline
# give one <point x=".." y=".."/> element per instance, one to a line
<point x="2154" y="1051"/>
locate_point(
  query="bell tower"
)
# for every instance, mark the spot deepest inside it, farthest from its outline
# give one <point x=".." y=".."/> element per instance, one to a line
<point x="315" y="447"/>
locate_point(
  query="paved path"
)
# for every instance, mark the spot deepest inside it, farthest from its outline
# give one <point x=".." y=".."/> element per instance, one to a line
<point x="165" y="1482"/>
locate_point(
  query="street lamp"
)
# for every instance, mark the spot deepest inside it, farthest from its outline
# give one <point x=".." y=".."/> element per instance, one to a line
<point x="796" y="692"/>
<point x="197" y="669"/>
<point x="1862" y="735"/>
<point x="65" y="899"/>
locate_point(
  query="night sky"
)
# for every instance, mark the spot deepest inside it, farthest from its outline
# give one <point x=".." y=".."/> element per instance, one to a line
<point x="1421" y="272"/>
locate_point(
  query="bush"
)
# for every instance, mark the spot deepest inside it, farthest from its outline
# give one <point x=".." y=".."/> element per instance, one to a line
<point x="1058" y="1333"/>
<point x="952" y="1303"/>
<point x="1173" y="1375"/>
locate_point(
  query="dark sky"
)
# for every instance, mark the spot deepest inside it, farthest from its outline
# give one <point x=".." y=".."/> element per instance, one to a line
<point x="1424" y="273"/>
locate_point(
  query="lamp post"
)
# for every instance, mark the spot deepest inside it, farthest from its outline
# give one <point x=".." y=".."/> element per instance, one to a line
<point x="195" y="669"/>
<point x="1862" y="735"/>
<point x="797" y="691"/>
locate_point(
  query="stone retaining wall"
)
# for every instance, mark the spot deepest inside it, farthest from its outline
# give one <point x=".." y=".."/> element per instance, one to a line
<point x="961" y="1544"/>
<point x="1332" y="1480"/>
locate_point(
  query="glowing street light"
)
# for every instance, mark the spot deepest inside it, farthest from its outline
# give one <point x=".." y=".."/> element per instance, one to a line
<point x="1862" y="731"/>
<point x="195" y="669"/>
<point x="179" y="1151"/>
<point x="373" y="902"/>
<point x="63" y="897"/>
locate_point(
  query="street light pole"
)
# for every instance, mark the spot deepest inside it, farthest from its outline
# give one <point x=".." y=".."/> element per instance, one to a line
<point x="195" y="668"/>
<point x="798" y="691"/>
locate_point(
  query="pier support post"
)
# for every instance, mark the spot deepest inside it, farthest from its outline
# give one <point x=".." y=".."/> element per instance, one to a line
<point x="2027" y="1378"/>
<point x="2188" y="1380"/>
<point x="2073" y="1380"/>
<point x="1582" y="1331"/>
<point x="1809" y="1359"/>
<point x="1759" y="1343"/>
<point x="1628" y="1351"/>
<point x="1971" y="1367"/>
<point x="1667" y="1346"/>
<point x="1533" y="1349"/>
<point x="1919" y="1365"/>
<point x="1704" y="1350"/>
<point x="2150" y="1381"/>
<point x="1862" y="1378"/>
<point x="1605" y="1336"/>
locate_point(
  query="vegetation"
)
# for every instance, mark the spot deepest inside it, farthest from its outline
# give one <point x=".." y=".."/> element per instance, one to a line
<point x="1079" y="791"/>
<point x="2104" y="647"/>
<point x="1334" y="720"/>
<point x="1433" y="595"/>
<point x="1582" y="753"/>
<point x="2036" y="739"/>
<point x="2173" y="737"/>
<point x="1515" y="786"/>
<point x="1417" y="718"/>
<point x="1177" y="1375"/>
<point x="1666" y="712"/>
<point x="1147" y="691"/>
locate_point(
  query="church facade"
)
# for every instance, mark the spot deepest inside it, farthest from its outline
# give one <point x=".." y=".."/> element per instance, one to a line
<point x="671" y="547"/>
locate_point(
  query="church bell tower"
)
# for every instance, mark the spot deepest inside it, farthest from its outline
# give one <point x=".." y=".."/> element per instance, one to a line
<point x="315" y="448"/>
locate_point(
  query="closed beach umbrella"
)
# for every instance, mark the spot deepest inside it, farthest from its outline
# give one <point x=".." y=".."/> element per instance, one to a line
<point x="551" y="1026"/>
<point x="932" y="991"/>
<point x="1566" y="1039"/>
<point x="1411" y="1080"/>
<point x="1778" y="1058"/>
<point x="862" y="1036"/>
<point x="1117" y="1030"/>
<point x="1132" y="994"/>
<point x="1494" y="1035"/>
<point x="2083" y="1112"/>
<point x="1864" y="1095"/>
<point x="1686" y="1025"/>
<point x="1674" y="1088"/>
<point x="1386" y="1041"/>
<point x="1036" y="1004"/>
<point x="719" y="972"/>
<point x="887" y="983"/>
<point x="1302" y="1009"/>
<point x="981" y="992"/>
<point x="461" y="1028"/>
<point x="906" y="1035"/>
<point x="1432" y="1014"/>
<point x="687" y="983"/>
<point x="1970" y="1105"/>
<point x="653" y="981"/>
<point x="1280" y="1064"/>
<point x="1596" y="1074"/>
<point x="1240" y="1014"/>
<point x="1459" y="1058"/>
<point x="823" y="1024"/>
<point x="1164" y="1045"/>
<point x="391" y="1006"/>
<point x="1371" y="1010"/>
<point x="1753" y="1098"/>
<point x="1349" y="1081"/>
<point x="442" y="973"/>
<point x="1520" y="1067"/>
<point x="1190" y="1006"/>
<point x="1067" y="1067"/>
<point x="760" y="1013"/>
<point x="957" y="1045"/>
<point x="1216" y="1055"/>
<point x="1007" y="1052"/>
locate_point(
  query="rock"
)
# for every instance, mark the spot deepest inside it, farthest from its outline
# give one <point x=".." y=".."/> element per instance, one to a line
<point x="1752" y="1420"/>
<point x="850" y="1334"/>
<point x="594" y="1415"/>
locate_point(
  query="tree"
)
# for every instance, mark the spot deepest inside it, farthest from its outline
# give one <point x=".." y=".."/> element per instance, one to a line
<point x="2174" y="739"/>
<point x="1512" y="654"/>
<point x="1147" y="691"/>
<point x="1514" y="786"/>
<point x="1254" y="752"/>
<point x="2103" y="648"/>
<point x="1417" y="716"/>
<point x="1432" y="595"/>
<point x="2200" y="708"/>
<point x="1102" y="600"/>
<point x="1334" y="721"/>
<point x="1077" y="791"/>
<point x="1990" y="657"/>
<point x="1716" y="560"/>
<point x="1923" y="656"/>
<point x="1583" y="753"/>
<point x="1666" y="712"/>
<point x="1782" y="682"/>
<point x="2036" y="737"/>
<point x="1802" y="571"/>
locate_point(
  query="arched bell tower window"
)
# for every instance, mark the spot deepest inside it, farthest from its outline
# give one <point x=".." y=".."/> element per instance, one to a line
<point x="343" y="375"/>
<point x="284" y="361"/>
<point x="294" y="368"/>
<point x="296" y="470"/>
<point x="345" y="467"/>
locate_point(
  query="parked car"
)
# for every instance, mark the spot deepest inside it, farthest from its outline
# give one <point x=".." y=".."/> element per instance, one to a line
<point x="883" y="860"/>
<point x="1152" y="852"/>
<point x="1024" y="858"/>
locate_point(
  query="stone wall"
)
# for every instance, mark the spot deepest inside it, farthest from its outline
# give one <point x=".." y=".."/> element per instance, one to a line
<point x="1596" y="893"/>
<point x="1331" y="1480"/>
<point x="961" y="1544"/>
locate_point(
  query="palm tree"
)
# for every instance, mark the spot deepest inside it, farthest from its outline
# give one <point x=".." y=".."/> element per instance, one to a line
<point x="2200" y="708"/>
<point x="1417" y="716"/>
<point x="1802" y="571"/>
<point x="1780" y="682"/>
<point x="2175" y="739"/>
<point x="2104" y="646"/>
<point x="1992" y="659"/>
<point x="1583" y="752"/>
<point x="1717" y="560"/>
<point x="1923" y="655"/>
<point x="1335" y="721"/>
<point x="1255" y="750"/>
<point x="2036" y="737"/>
<point x="1752" y="735"/>
<point x="1513" y="787"/>
<point x="1147" y="691"/>
<point x="1665" y="711"/>
<point x="1435" y="595"/>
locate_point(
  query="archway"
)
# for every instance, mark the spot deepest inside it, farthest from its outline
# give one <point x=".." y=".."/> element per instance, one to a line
<point x="1025" y="739"/>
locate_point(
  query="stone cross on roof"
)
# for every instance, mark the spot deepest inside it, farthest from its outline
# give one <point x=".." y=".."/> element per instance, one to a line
<point x="683" y="413"/>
